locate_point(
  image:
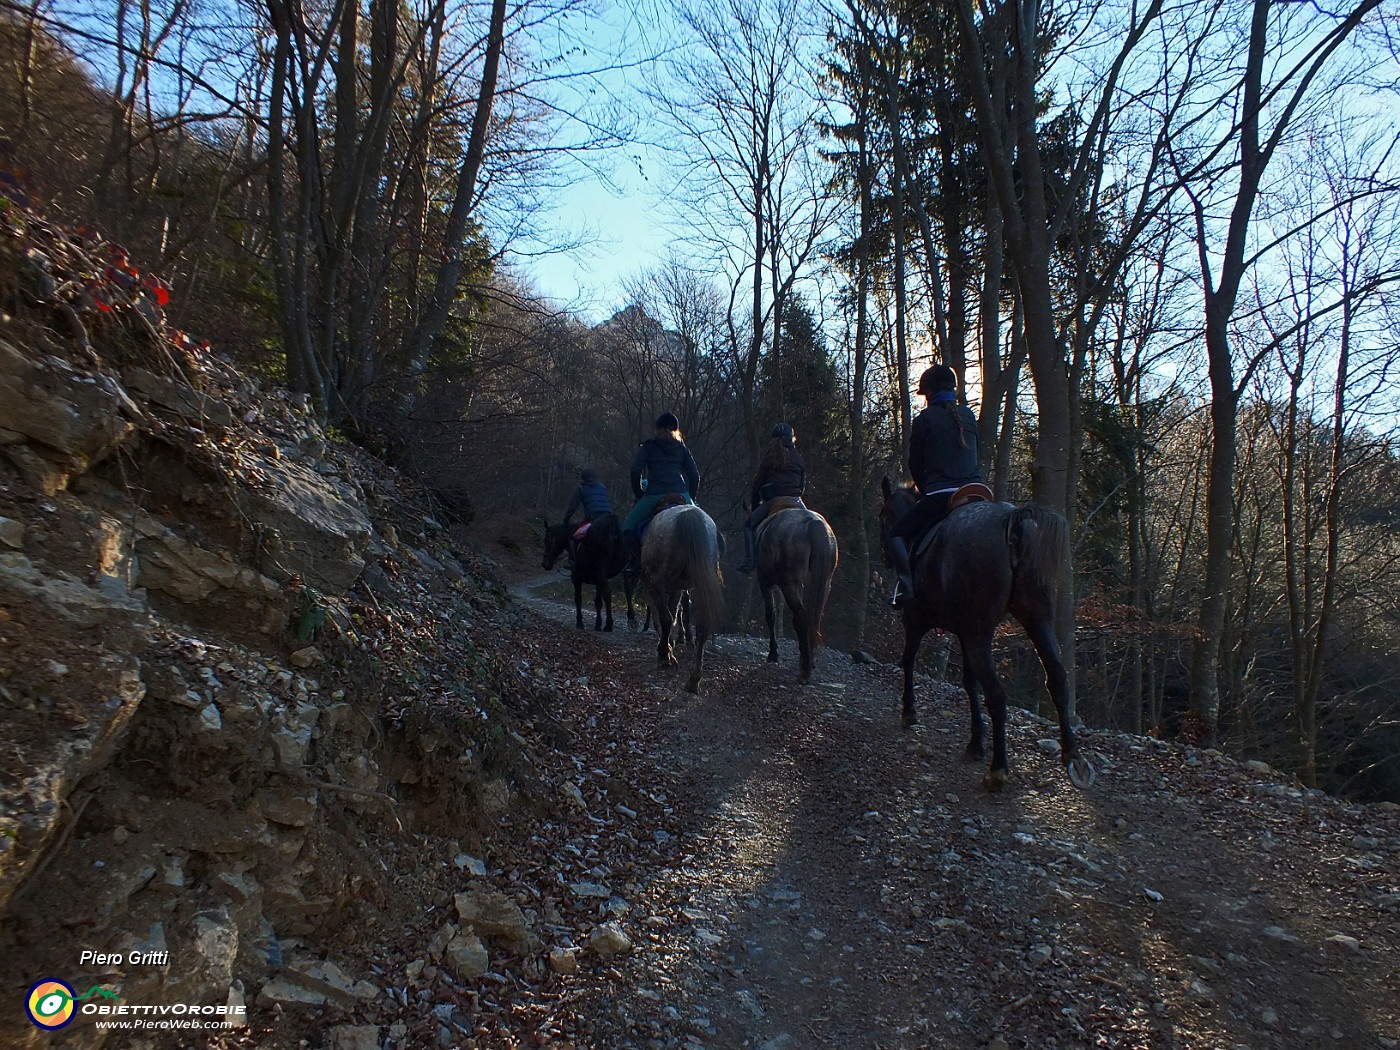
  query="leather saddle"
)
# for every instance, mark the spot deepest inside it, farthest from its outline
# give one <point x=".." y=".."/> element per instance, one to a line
<point x="972" y="492"/>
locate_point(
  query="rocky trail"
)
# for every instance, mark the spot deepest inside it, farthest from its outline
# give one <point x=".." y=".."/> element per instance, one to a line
<point x="814" y="876"/>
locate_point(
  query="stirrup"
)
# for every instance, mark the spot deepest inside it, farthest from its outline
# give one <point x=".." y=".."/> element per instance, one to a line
<point x="902" y="590"/>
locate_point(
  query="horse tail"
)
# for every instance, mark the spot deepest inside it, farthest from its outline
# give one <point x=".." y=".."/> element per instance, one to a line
<point x="821" y="566"/>
<point x="707" y="597"/>
<point x="1036" y="538"/>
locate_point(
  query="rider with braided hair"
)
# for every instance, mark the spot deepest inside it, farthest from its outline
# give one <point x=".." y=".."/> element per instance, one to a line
<point x="942" y="458"/>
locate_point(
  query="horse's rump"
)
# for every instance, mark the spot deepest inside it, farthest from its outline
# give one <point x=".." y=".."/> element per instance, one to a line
<point x="680" y="552"/>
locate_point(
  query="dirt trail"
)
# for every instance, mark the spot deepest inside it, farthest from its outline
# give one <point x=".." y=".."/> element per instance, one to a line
<point x="842" y="883"/>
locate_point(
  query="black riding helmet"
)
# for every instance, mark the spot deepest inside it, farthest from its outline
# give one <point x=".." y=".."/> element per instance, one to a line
<point x="667" y="421"/>
<point x="588" y="474"/>
<point x="782" y="430"/>
<point x="937" y="378"/>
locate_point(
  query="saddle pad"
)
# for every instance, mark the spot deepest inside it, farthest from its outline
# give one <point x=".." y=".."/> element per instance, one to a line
<point x="581" y="531"/>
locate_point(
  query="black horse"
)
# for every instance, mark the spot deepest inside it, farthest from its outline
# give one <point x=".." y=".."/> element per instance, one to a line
<point x="599" y="557"/>
<point x="987" y="560"/>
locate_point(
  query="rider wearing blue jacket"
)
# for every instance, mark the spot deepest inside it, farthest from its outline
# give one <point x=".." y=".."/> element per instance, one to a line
<point x="591" y="495"/>
<point x="942" y="458"/>
<point x="670" y="470"/>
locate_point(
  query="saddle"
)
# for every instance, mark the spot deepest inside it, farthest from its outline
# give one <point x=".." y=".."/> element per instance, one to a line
<point x="773" y="506"/>
<point x="972" y="492"/>
<point x="666" y="502"/>
<point x="581" y="531"/>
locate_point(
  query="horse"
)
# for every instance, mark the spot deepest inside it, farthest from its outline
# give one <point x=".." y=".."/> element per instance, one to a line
<point x="600" y="556"/>
<point x="797" y="554"/>
<point x="680" y="554"/>
<point x="985" y="560"/>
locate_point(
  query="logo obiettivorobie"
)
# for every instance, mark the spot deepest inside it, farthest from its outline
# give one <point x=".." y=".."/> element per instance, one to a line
<point x="51" y="1002"/>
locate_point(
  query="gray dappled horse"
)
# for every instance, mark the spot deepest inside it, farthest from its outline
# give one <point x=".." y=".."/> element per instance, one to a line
<point x="599" y="556"/>
<point x="680" y="554"/>
<point x="986" y="560"/>
<point x="796" y="554"/>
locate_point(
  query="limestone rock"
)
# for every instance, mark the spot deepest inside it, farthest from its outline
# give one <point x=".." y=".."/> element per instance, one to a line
<point x="69" y="424"/>
<point x="496" y="917"/>
<point x="111" y="690"/>
<point x="179" y="398"/>
<point x="311" y="527"/>
<point x="293" y="811"/>
<point x="564" y="961"/>
<point x="308" y="657"/>
<point x="466" y="956"/>
<point x="608" y="940"/>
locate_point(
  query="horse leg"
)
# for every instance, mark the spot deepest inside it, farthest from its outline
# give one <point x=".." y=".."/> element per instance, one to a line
<point x="912" y="637"/>
<point x="1042" y="636"/>
<point x="605" y="590"/>
<point x="770" y="615"/>
<point x="979" y="656"/>
<point x="578" y="601"/>
<point x="975" y="751"/>
<point x="629" y="586"/>
<point x="792" y="593"/>
<point x="665" y="618"/>
<point x="598" y="606"/>
<point x="693" y="686"/>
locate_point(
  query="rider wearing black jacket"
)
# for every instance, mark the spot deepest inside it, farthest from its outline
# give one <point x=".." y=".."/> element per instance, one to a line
<point x="942" y="458"/>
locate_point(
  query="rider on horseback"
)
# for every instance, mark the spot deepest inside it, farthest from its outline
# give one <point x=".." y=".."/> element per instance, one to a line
<point x="592" y="496"/>
<point x="942" y="458"/>
<point x="670" y="471"/>
<point x="782" y="473"/>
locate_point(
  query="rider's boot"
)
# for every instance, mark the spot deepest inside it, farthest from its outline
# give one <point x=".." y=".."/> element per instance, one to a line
<point x="904" y="582"/>
<point x="750" y="551"/>
<point x="634" y="554"/>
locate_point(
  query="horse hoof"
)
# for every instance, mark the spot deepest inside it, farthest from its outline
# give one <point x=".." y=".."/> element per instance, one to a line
<point x="1081" y="773"/>
<point x="772" y="658"/>
<point x="609" y="627"/>
<point x="909" y="722"/>
<point x="693" y="686"/>
<point x="973" y="754"/>
<point x="995" y="780"/>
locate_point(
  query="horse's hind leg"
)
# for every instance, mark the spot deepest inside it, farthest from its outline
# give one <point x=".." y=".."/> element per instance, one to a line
<point x="975" y="750"/>
<point x="665" y="620"/>
<point x="978" y="656"/>
<point x="578" y="602"/>
<point x="792" y="594"/>
<point x="605" y="597"/>
<point x="693" y="686"/>
<point x="912" y="637"/>
<point x="770" y="615"/>
<point x="1042" y="636"/>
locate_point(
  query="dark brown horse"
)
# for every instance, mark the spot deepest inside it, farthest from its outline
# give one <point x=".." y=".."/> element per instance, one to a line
<point x="986" y="560"/>
<point x="599" y="557"/>
<point x="797" y="555"/>
<point x="680" y="554"/>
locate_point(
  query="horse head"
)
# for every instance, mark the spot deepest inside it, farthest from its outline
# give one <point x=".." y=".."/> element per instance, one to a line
<point x="897" y="500"/>
<point x="556" y="542"/>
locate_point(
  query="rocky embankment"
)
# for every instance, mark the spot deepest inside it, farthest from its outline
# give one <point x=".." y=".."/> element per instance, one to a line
<point x="233" y="656"/>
